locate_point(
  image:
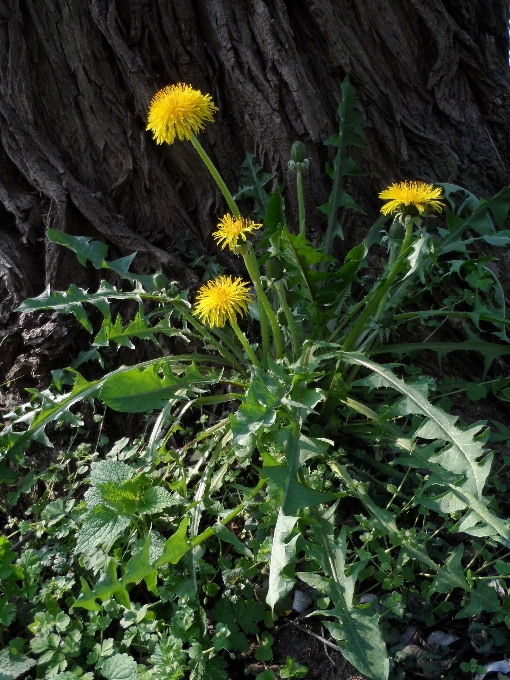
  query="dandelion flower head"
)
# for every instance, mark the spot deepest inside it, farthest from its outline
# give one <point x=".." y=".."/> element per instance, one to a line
<point x="221" y="299"/>
<point x="178" y="110"/>
<point x="232" y="229"/>
<point x="411" y="198"/>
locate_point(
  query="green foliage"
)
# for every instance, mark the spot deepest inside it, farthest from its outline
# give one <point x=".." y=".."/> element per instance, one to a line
<point x="267" y="466"/>
<point x="253" y="182"/>
<point x="349" y="134"/>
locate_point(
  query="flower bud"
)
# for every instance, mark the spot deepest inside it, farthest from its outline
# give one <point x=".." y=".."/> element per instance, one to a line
<point x="298" y="162"/>
<point x="397" y="231"/>
<point x="298" y="152"/>
<point x="274" y="268"/>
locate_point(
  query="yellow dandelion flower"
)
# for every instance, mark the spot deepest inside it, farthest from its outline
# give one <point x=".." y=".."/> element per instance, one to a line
<point x="178" y="110"/>
<point x="412" y="198"/>
<point x="231" y="229"/>
<point x="221" y="299"/>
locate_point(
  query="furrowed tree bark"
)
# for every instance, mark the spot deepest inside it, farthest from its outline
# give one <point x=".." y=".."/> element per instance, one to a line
<point x="76" y="79"/>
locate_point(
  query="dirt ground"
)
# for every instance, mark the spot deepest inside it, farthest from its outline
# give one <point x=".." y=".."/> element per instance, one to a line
<point x="300" y="640"/>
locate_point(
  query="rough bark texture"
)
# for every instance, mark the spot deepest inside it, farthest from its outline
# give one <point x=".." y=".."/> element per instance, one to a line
<point x="76" y="79"/>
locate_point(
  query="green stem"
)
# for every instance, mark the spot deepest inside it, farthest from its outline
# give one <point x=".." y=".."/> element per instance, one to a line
<point x="228" y="341"/>
<point x="288" y="315"/>
<point x="333" y="202"/>
<point x="352" y="338"/>
<point x="217" y="177"/>
<point x="244" y="342"/>
<point x="252" y="266"/>
<point x="349" y="315"/>
<point x="232" y="515"/>
<point x="203" y="332"/>
<point x="301" y="203"/>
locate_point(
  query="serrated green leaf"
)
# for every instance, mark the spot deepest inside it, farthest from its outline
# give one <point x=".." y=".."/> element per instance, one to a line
<point x="139" y="568"/>
<point x="101" y="526"/>
<point x="483" y="598"/>
<point x="257" y="413"/>
<point x="350" y="133"/>
<point x="119" y="667"/>
<point x="254" y="181"/>
<point x="283" y="554"/>
<point x="489" y="350"/>
<point x="107" y="586"/>
<point x="84" y="247"/>
<point x="275" y="212"/>
<point x="464" y="451"/>
<point x="248" y="615"/>
<point x="384" y="518"/>
<point x="12" y="665"/>
<point x="115" y="471"/>
<point x="7" y="612"/>
<point x="361" y="643"/>
<point x="121" y="497"/>
<point x="451" y="574"/>
<point x="478" y="220"/>
<point x="154" y="500"/>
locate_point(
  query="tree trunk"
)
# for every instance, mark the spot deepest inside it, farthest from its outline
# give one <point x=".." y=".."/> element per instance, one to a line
<point x="76" y="79"/>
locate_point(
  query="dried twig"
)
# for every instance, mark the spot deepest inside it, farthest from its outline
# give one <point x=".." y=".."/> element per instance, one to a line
<point x="317" y="637"/>
<point x="326" y="649"/>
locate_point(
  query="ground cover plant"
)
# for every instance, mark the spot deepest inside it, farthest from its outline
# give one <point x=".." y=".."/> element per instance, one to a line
<point x="295" y="458"/>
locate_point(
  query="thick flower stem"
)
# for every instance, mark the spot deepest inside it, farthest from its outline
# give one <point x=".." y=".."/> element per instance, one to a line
<point x="301" y="203"/>
<point x="352" y="338"/>
<point x="244" y="342"/>
<point x="216" y="175"/>
<point x="252" y="266"/>
<point x="280" y="290"/>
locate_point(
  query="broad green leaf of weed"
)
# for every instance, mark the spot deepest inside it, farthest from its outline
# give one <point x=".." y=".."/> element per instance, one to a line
<point x="248" y="615"/>
<point x="361" y="643"/>
<point x="154" y="500"/>
<point x="12" y="664"/>
<point x="141" y="389"/>
<point x="225" y="535"/>
<point x="283" y="554"/>
<point x="119" y="667"/>
<point x="110" y="471"/>
<point x="223" y="612"/>
<point x="475" y="392"/>
<point x="503" y="568"/>
<point x="256" y="414"/>
<point x="176" y="546"/>
<point x="275" y="212"/>
<point x="101" y="526"/>
<point x="7" y="557"/>
<point x="7" y="612"/>
<point x="122" y="497"/>
<point x="107" y="586"/>
<point x="297" y="496"/>
<point x="168" y="659"/>
<point x="481" y="599"/>
<point x="464" y="450"/>
<point x="84" y="247"/>
<point x="139" y="568"/>
<point x="451" y="575"/>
